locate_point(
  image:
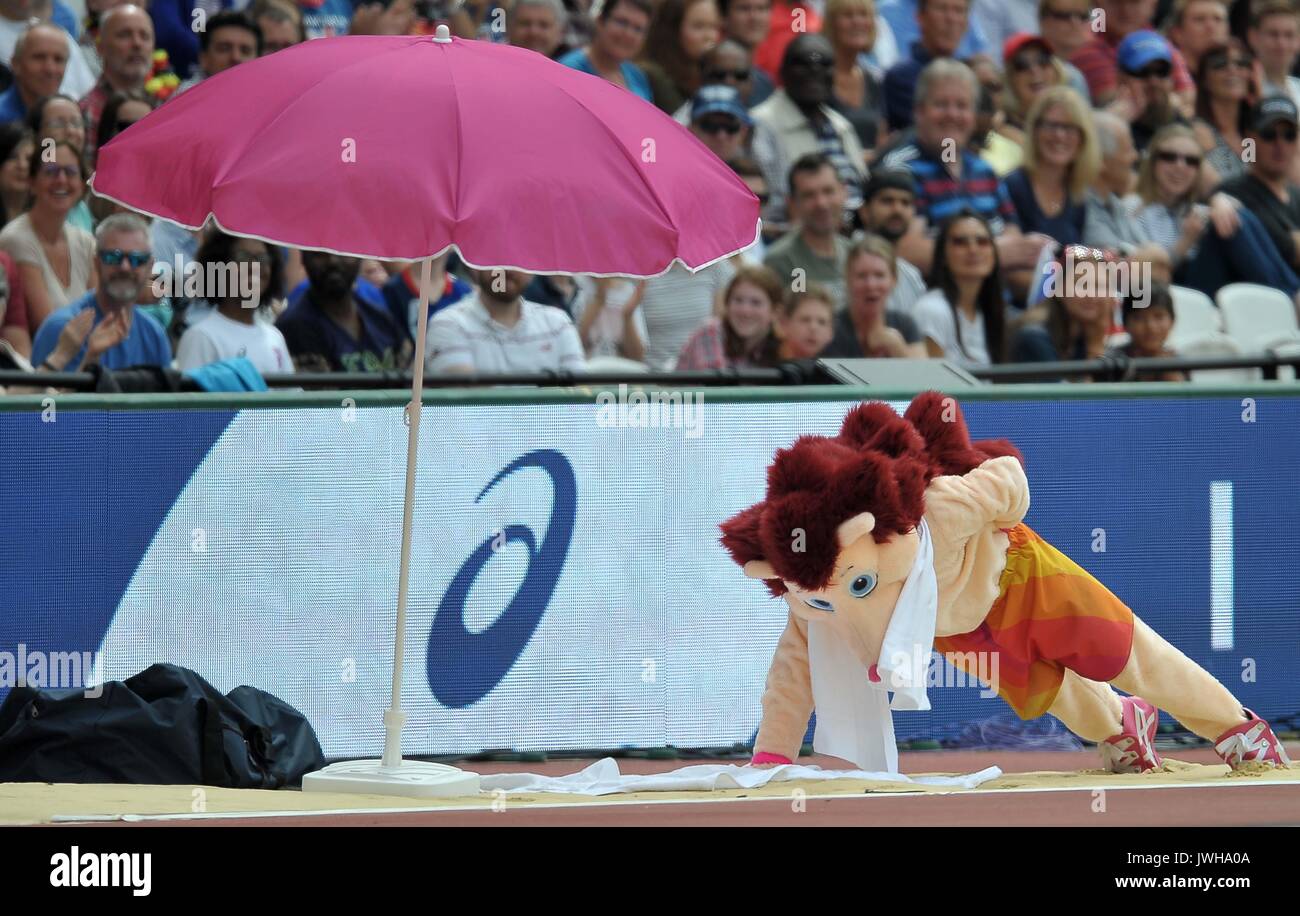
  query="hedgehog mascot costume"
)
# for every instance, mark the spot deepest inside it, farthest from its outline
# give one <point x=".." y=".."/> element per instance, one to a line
<point x="850" y="524"/>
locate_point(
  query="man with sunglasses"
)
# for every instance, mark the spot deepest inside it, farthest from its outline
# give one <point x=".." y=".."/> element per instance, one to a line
<point x="1146" y="86"/>
<point x="1266" y="189"/>
<point x="720" y="121"/>
<point x="123" y="336"/>
<point x="1099" y="58"/>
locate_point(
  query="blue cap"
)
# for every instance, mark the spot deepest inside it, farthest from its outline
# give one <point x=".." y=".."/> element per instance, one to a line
<point x="719" y="99"/>
<point x="1141" y="48"/>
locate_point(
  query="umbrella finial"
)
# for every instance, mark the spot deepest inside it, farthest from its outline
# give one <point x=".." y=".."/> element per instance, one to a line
<point x="443" y="35"/>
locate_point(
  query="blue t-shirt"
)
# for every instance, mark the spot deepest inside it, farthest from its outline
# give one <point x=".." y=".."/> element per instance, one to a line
<point x="11" y="105"/>
<point x="1066" y="227"/>
<point x="309" y="332"/>
<point x="402" y="296"/>
<point x="145" y="345"/>
<point x="637" y="82"/>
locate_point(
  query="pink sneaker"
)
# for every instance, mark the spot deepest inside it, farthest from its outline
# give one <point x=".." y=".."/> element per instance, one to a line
<point x="1251" y="740"/>
<point x="1133" y="750"/>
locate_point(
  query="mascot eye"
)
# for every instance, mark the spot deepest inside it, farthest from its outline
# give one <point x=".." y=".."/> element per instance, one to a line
<point x="819" y="604"/>
<point x="861" y="586"/>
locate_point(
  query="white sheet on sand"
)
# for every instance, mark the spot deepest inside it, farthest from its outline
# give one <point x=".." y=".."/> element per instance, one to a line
<point x="603" y="778"/>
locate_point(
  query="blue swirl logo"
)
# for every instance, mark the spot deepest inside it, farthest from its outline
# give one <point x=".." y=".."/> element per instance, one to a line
<point x="464" y="667"/>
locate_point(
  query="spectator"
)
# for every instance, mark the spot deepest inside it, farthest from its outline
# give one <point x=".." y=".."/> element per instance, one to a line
<point x="402" y="291"/>
<point x="238" y="326"/>
<point x="538" y="25"/>
<point x="126" y="43"/>
<point x="807" y="323"/>
<point x="1266" y="190"/>
<point x="850" y="26"/>
<point x="1148" y="323"/>
<point x="16" y="148"/>
<point x="1195" y="26"/>
<point x="999" y="20"/>
<point x="1108" y="223"/>
<point x="901" y="18"/>
<point x="14" y="328"/>
<point x="814" y="250"/>
<point x="1145" y="86"/>
<point x="888" y="211"/>
<point x="799" y="120"/>
<point x="332" y="329"/>
<point x="787" y="21"/>
<point x="962" y="317"/>
<point x="56" y="260"/>
<point x="1275" y="38"/>
<point x="728" y="64"/>
<point x="675" y="304"/>
<point x="40" y="59"/>
<point x="942" y="24"/>
<point x="230" y="39"/>
<point x="500" y="332"/>
<point x="1205" y="255"/>
<point x="1099" y="61"/>
<point x="680" y="32"/>
<point x="867" y="328"/>
<point x="1031" y="69"/>
<point x="949" y="178"/>
<point x="281" y="24"/>
<point x="123" y="336"/>
<point x="748" y="171"/>
<point x="1061" y="161"/>
<point x="121" y="111"/>
<point x="1066" y="26"/>
<point x="745" y="24"/>
<point x="1226" y="77"/>
<point x="15" y="19"/>
<point x="57" y="117"/>
<point x="1001" y="154"/>
<point x="619" y="35"/>
<point x="744" y="336"/>
<point x="609" y="316"/>
<point x="720" y="121"/>
<point x="1073" y="325"/>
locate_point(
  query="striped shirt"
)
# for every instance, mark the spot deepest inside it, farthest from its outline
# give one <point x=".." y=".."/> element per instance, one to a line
<point x="465" y="337"/>
<point x="675" y="305"/>
<point x="939" y="195"/>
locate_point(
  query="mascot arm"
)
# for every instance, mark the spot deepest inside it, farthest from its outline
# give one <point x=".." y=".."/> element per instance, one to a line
<point x="787" y="698"/>
<point x="995" y="493"/>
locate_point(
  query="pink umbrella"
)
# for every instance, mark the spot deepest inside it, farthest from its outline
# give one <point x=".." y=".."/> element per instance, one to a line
<point x="398" y="148"/>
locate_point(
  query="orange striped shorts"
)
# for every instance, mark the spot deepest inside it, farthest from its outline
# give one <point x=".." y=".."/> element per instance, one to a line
<point x="1050" y="615"/>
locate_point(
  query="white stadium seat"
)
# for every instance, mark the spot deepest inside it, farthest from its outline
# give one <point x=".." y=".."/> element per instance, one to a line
<point x="1195" y="315"/>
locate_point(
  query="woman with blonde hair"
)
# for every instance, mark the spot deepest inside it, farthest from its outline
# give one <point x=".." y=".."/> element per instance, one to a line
<point x="1210" y="245"/>
<point x="866" y="328"/>
<point x="850" y="27"/>
<point x="1061" y="161"/>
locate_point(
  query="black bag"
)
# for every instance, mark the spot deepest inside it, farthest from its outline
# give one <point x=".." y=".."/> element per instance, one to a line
<point x="165" y="726"/>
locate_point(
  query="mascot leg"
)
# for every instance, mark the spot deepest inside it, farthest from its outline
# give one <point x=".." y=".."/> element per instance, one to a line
<point x="1093" y="711"/>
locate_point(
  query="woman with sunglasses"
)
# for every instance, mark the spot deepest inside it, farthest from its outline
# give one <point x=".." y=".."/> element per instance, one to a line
<point x="1210" y="245"/>
<point x="1030" y="69"/>
<point x="58" y="117"/>
<point x="1062" y="159"/>
<point x="121" y="110"/>
<point x="56" y="261"/>
<point x="963" y="316"/>
<point x="235" y="326"/>
<point x="1228" y="87"/>
<point x="850" y="27"/>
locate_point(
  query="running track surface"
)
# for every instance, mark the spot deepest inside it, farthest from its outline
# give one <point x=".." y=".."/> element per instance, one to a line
<point x="1236" y="804"/>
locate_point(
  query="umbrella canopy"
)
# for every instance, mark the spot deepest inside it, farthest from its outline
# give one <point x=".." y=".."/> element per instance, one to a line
<point x="399" y="147"/>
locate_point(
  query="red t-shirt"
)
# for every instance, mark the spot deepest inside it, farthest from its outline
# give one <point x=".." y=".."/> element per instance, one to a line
<point x="767" y="56"/>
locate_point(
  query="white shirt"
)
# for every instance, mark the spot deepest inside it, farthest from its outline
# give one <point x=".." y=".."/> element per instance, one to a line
<point x="217" y="337"/>
<point x="465" y="337"/>
<point x="606" y="333"/>
<point x="935" y="320"/>
<point x="78" y="78"/>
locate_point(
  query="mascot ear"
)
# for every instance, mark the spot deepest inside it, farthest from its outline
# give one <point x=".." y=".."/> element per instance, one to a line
<point x="860" y="525"/>
<point x="760" y="569"/>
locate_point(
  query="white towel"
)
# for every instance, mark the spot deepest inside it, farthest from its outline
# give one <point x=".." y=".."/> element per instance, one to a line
<point x="853" y="714"/>
<point x="603" y="778"/>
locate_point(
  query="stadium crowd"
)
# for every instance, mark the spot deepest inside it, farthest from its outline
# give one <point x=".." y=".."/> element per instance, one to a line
<point x="922" y="165"/>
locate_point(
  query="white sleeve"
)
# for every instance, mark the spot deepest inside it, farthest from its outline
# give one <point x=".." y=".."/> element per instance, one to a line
<point x="929" y="317"/>
<point x="447" y="347"/>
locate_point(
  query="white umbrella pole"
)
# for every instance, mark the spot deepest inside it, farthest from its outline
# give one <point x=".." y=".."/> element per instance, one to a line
<point x="394" y="718"/>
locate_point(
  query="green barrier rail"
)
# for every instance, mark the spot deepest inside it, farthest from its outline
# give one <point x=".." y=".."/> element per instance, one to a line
<point x="279" y="400"/>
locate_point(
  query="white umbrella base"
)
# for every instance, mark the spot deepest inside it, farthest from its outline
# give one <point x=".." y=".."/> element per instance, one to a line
<point x="412" y="779"/>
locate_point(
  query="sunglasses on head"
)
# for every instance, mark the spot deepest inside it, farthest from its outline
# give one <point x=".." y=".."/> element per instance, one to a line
<point x="1026" y="62"/>
<point x="721" y="76"/>
<point x="1169" y="157"/>
<point x="114" y="256"/>
<point x="1160" y="70"/>
<point x="713" y="128"/>
<point x="1273" y="133"/>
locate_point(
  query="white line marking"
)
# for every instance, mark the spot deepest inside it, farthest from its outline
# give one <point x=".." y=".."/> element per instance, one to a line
<point x="1222" y="563"/>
